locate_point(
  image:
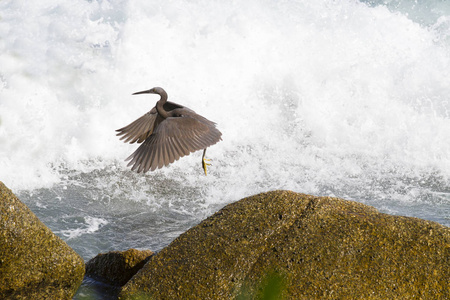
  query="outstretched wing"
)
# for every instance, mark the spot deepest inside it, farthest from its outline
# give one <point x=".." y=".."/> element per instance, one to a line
<point x="143" y="127"/>
<point x="140" y="129"/>
<point x="175" y="137"/>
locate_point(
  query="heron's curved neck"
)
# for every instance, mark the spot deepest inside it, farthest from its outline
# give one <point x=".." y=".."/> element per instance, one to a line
<point x="160" y="105"/>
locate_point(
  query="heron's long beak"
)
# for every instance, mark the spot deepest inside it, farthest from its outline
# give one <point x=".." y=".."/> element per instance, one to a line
<point x="144" y="92"/>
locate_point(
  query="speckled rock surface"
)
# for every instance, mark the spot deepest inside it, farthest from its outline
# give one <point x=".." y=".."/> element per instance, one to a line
<point x="34" y="263"/>
<point x="117" y="267"/>
<point x="293" y="246"/>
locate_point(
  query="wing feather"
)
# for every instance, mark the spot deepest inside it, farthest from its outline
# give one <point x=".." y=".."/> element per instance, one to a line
<point x="170" y="150"/>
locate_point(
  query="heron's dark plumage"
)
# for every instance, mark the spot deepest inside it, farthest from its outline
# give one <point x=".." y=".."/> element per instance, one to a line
<point x="165" y="140"/>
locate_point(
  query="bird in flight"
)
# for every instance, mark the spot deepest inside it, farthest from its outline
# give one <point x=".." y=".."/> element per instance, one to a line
<point x="167" y="132"/>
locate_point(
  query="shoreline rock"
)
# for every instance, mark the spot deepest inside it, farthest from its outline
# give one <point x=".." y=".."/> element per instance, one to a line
<point x="34" y="262"/>
<point x="117" y="267"/>
<point x="297" y="246"/>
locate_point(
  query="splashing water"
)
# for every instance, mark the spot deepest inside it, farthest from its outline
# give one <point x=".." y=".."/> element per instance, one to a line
<point x="338" y="98"/>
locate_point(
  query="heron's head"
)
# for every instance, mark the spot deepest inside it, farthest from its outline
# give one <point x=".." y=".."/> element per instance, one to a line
<point x="155" y="90"/>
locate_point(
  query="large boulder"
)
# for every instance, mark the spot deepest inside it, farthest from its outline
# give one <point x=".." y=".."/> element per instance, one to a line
<point x="284" y="245"/>
<point x="117" y="267"/>
<point x="34" y="263"/>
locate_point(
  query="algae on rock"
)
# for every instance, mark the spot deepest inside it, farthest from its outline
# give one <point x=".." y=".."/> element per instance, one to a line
<point x="34" y="262"/>
<point x="306" y="247"/>
<point x="117" y="267"/>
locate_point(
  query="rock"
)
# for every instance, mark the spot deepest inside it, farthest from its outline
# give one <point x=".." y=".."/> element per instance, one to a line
<point x="286" y="245"/>
<point x="117" y="267"/>
<point x="34" y="263"/>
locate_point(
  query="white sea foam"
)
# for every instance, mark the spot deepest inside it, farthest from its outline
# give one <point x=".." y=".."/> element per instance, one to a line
<point x="90" y="225"/>
<point x="325" y="97"/>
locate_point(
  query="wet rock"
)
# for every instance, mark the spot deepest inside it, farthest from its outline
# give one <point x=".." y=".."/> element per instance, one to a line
<point x="34" y="263"/>
<point x="286" y="245"/>
<point x="117" y="267"/>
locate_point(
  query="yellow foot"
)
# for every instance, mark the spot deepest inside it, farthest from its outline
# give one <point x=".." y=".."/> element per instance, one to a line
<point x="204" y="164"/>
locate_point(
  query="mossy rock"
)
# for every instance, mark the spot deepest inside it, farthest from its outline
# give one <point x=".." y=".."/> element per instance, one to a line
<point x="34" y="262"/>
<point x="117" y="267"/>
<point x="284" y="245"/>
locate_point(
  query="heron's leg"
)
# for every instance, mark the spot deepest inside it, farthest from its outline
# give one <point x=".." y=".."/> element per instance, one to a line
<point x="204" y="162"/>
